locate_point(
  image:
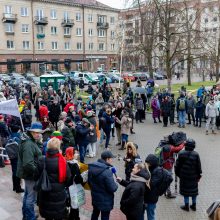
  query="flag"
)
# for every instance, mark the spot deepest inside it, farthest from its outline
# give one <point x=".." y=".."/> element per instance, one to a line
<point x="9" y="107"/>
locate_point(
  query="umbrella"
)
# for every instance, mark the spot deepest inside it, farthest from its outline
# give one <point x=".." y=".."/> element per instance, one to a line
<point x="140" y="90"/>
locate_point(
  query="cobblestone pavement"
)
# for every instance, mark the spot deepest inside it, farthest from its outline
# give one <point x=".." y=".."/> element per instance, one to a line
<point x="147" y="137"/>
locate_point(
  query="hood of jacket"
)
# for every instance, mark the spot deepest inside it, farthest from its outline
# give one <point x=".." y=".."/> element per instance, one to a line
<point x="98" y="167"/>
<point x="152" y="160"/>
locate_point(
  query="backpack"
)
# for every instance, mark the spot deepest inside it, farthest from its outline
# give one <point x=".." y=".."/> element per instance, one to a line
<point x="160" y="149"/>
<point x="12" y="148"/>
<point x="182" y="104"/>
<point x="166" y="180"/>
<point x="26" y="116"/>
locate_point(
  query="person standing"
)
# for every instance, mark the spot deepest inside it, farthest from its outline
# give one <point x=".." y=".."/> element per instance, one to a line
<point x="199" y="112"/>
<point x="181" y="107"/>
<point x="191" y="108"/>
<point x="29" y="154"/>
<point x="155" y="105"/>
<point x="211" y="113"/>
<point x="188" y="169"/>
<point x="172" y="109"/>
<point x="117" y="114"/>
<point x="165" y="110"/>
<point x="139" y="105"/>
<point x="103" y="186"/>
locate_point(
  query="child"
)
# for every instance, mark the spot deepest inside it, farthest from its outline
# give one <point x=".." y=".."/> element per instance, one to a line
<point x="131" y="158"/>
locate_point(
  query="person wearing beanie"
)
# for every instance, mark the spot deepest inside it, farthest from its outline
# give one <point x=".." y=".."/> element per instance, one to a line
<point x="188" y="169"/>
<point x="75" y="176"/>
<point x="132" y="199"/>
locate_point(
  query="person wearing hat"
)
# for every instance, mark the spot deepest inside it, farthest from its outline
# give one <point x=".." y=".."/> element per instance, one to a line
<point x="188" y="169"/>
<point x="103" y="186"/>
<point x="29" y="153"/>
<point x="211" y="113"/>
<point x="69" y="134"/>
<point x="43" y="110"/>
<point x="83" y="129"/>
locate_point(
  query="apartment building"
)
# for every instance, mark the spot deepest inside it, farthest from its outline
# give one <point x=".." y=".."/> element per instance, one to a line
<point x="57" y="35"/>
<point x="203" y="16"/>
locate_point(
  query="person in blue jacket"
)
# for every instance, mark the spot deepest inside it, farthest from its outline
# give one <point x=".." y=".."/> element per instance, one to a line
<point x="103" y="186"/>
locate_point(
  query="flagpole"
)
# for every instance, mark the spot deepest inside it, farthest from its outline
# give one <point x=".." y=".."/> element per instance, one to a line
<point x="22" y="126"/>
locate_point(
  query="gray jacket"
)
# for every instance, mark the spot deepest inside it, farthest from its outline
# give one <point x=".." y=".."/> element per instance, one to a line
<point x="211" y="110"/>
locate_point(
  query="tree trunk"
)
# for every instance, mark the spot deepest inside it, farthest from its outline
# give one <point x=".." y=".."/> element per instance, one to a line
<point x="149" y="63"/>
<point x="217" y="61"/>
<point x="189" y="71"/>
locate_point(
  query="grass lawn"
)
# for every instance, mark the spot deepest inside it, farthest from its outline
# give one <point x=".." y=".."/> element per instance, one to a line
<point x="193" y="88"/>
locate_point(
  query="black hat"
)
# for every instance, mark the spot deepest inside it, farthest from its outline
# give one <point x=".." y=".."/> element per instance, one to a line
<point x="107" y="154"/>
<point x="68" y="120"/>
<point x="152" y="160"/>
<point x="190" y="143"/>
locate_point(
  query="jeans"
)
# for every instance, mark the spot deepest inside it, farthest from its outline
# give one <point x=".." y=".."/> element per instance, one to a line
<point x="150" y="209"/>
<point x="182" y="119"/>
<point x="101" y="136"/>
<point x="82" y="153"/>
<point x="124" y="137"/>
<point x="186" y="199"/>
<point x="29" y="200"/>
<point x="118" y="132"/>
<point x="104" y="214"/>
<point x="107" y="134"/>
<point x="92" y="149"/>
<point x="172" y="115"/>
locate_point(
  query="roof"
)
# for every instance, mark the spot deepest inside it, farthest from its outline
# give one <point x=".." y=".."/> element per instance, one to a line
<point x="51" y="76"/>
<point x="86" y="3"/>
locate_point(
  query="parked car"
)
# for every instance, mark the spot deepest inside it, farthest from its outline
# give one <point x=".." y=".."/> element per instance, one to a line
<point x="161" y="72"/>
<point x="128" y="77"/>
<point x="141" y="76"/>
<point x="115" y="78"/>
<point x="102" y="76"/>
<point x="52" y="72"/>
<point x="5" y="77"/>
<point x="16" y="76"/>
<point x="17" y="81"/>
<point x="86" y="77"/>
<point x="36" y="80"/>
<point x="158" y="76"/>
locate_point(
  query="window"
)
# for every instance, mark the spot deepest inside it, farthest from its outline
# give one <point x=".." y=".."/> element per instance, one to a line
<point x="40" y="13"/>
<point x="112" y="47"/>
<point x="101" y="19"/>
<point x="78" y="32"/>
<point x="90" y="18"/>
<point x="79" y="46"/>
<point x="66" y="16"/>
<point x="24" y="11"/>
<point x="67" y="45"/>
<point x="40" y="29"/>
<point x="101" y="33"/>
<point x="90" y="32"/>
<point x="10" y="44"/>
<point x="9" y="28"/>
<point x="53" y="30"/>
<point x="8" y="9"/>
<point x="91" y="46"/>
<point x="112" y="34"/>
<point x="66" y="31"/>
<point x="26" y="45"/>
<point x="206" y="20"/>
<point x="78" y="16"/>
<point x="101" y="46"/>
<point x="53" y="14"/>
<point x="40" y="45"/>
<point x="24" y="28"/>
<point x="54" y="45"/>
<point x="112" y="20"/>
<point x="215" y="19"/>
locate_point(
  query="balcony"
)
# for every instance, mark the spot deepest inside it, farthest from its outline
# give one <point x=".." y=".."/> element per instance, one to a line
<point x="38" y="20"/>
<point x="67" y="35"/>
<point x="9" y="18"/>
<point x="40" y="36"/>
<point x="102" y="25"/>
<point x="9" y="32"/>
<point x="67" y="23"/>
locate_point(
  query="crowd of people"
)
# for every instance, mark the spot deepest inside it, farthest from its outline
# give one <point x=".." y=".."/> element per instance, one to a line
<point x="63" y="128"/>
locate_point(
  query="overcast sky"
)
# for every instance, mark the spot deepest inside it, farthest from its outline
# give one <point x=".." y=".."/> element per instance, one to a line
<point x="113" y="3"/>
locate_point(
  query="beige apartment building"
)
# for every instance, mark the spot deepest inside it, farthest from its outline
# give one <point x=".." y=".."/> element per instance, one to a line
<point x="59" y="35"/>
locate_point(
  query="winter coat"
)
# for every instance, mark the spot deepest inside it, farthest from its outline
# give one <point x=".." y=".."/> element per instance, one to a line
<point x="28" y="156"/>
<point x="199" y="109"/>
<point x="125" y="124"/>
<point x="54" y="112"/>
<point x="82" y="133"/>
<point x="165" y="108"/>
<point x="52" y="204"/>
<point x="109" y="121"/>
<point x="69" y="135"/>
<point x="211" y="110"/>
<point x="117" y="113"/>
<point x="132" y="200"/>
<point x="139" y="105"/>
<point x="155" y="108"/>
<point x="190" y="105"/>
<point x="92" y="137"/>
<point x="178" y="104"/>
<point x="103" y="186"/>
<point x="188" y="169"/>
<point x="4" y="132"/>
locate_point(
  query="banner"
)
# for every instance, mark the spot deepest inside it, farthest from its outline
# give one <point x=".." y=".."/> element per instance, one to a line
<point x="9" y="107"/>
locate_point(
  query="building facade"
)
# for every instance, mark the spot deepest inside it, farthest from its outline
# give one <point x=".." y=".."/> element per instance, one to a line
<point x="61" y="35"/>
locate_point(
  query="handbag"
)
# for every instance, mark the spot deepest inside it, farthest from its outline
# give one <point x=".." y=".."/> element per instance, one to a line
<point x="77" y="196"/>
<point x="43" y="183"/>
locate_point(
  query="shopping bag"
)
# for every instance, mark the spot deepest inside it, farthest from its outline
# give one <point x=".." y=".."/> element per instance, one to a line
<point x="77" y="196"/>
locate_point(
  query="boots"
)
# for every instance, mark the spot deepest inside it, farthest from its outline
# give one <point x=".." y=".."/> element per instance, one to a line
<point x="131" y="131"/>
<point x="185" y="207"/>
<point x="122" y="146"/>
<point x="193" y="206"/>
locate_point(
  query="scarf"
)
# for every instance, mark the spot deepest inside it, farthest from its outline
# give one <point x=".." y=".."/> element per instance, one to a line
<point x="61" y="166"/>
<point x="140" y="179"/>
